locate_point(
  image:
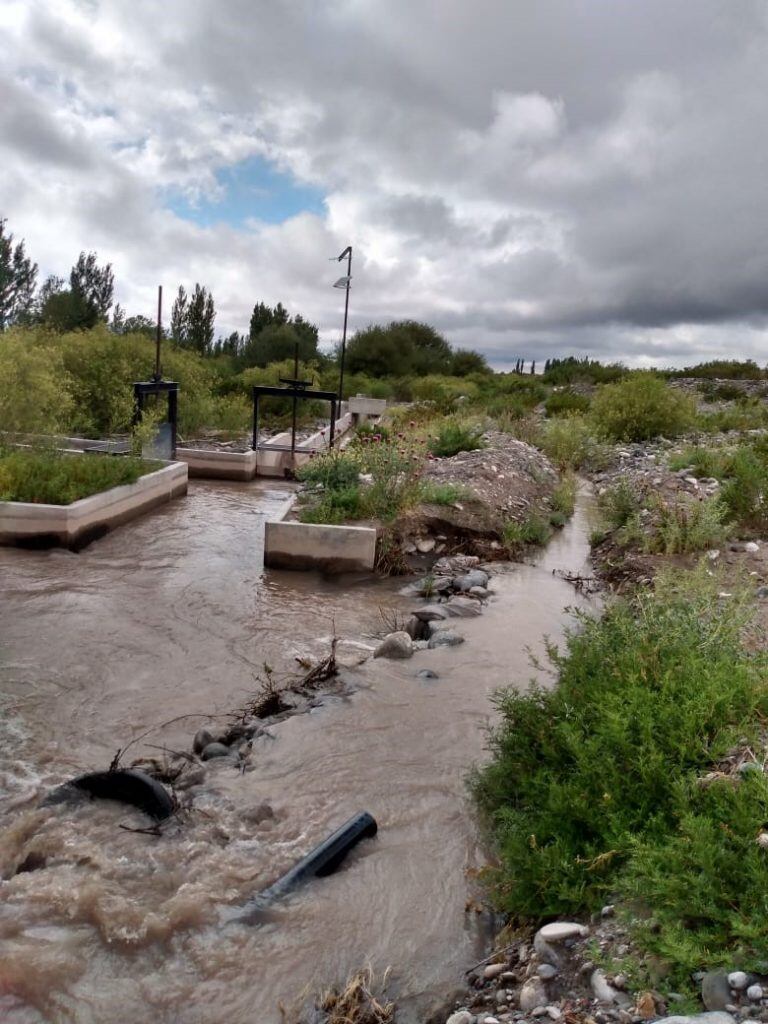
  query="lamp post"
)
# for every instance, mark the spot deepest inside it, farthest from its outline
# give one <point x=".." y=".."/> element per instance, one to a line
<point x="344" y="282"/>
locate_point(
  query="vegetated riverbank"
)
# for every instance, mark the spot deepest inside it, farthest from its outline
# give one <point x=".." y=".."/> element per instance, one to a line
<point x="629" y="806"/>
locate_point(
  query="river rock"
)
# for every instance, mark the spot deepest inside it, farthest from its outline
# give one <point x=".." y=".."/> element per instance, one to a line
<point x="212" y="750"/>
<point x="431" y="612"/>
<point x="715" y="990"/>
<point x="426" y="545"/>
<point x="751" y="548"/>
<point x="202" y="738"/>
<point x="559" y="931"/>
<point x="258" y="813"/>
<point x="546" y="971"/>
<point x="445" y="638"/>
<point x="738" y="980"/>
<point x="480" y="592"/>
<point x="461" y="1017"/>
<point x="427" y="673"/>
<point x="463" y="608"/>
<point x="415" y="628"/>
<point x="604" y="992"/>
<point x="713" y="1017"/>
<point x="396" y="645"/>
<point x="755" y="993"/>
<point x="493" y="971"/>
<point x="532" y="994"/>
<point x="452" y="565"/>
<point x="476" y="578"/>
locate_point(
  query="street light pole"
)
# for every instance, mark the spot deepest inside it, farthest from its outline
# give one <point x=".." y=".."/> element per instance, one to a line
<point x="344" y="283"/>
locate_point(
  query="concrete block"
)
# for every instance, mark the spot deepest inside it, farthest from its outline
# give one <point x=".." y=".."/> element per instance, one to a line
<point x="330" y="549"/>
<point x="28" y="524"/>
<point x="360" y="405"/>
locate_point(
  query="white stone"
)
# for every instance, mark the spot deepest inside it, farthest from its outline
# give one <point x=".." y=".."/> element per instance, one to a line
<point x="493" y="971"/>
<point x="396" y="645"/>
<point x="532" y="994"/>
<point x="755" y="993"/>
<point x="604" y="992"/>
<point x="554" y="1013"/>
<point x="490" y="1020"/>
<point x="559" y="931"/>
<point x="546" y="971"/>
<point x="762" y="840"/>
<point x="738" y="980"/>
<point x="461" y="1017"/>
<point x="751" y="547"/>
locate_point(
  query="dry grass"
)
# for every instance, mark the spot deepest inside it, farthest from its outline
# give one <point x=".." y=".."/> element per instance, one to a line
<point x="356" y="1003"/>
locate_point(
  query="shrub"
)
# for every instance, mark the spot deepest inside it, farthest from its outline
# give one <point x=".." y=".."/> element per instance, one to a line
<point x="570" y="442"/>
<point x="687" y="526"/>
<point x="533" y="530"/>
<point x="35" y="389"/>
<point x="52" y="478"/>
<point x="619" y="504"/>
<point x="751" y="414"/>
<point x="454" y="437"/>
<point x="589" y="785"/>
<point x="641" y="407"/>
<point x="563" y="497"/>
<point x="560" y="403"/>
<point x="433" y="493"/>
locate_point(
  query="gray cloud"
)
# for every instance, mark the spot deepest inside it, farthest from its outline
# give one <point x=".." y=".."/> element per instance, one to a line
<point x="580" y="176"/>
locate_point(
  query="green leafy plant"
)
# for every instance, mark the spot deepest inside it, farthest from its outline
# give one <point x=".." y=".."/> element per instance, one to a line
<point x="683" y="526"/>
<point x="454" y="437"/>
<point x="433" y="493"/>
<point x="595" y="788"/>
<point x="53" y="478"/>
<point x="560" y="403"/>
<point x="641" y="407"/>
<point x="534" y="530"/>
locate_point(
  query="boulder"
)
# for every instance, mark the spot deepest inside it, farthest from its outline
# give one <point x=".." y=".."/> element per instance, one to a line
<point x="475" y="578"/>
<point x="532" y="994"/>
<point x="212" y="750"/>
<point x="202" y="738"/>
<point x="445" y="638"/>
<point x="431" y="612"/>
<point x="452" y="565"/>
<point x="396" y="645"/>
<point x="463" y="608"/>
<point x="715" y="990"/>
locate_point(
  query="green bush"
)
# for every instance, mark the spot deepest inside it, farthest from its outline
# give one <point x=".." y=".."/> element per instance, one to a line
<point x="561" y="403"/>
<point x="433" y="493"/>
<point x="641" y="407"/>
<point x="569" y="441"/>
<point x="682" y="527"/>
<point x="35" y="388"/>
<point x="563" y="500"/>
<point x="530" y="531"/>
<point x="454" y="437"/>
<point x="51" y="478"/>
<point x="619" y="504"/>
<point x="591" y="788"/>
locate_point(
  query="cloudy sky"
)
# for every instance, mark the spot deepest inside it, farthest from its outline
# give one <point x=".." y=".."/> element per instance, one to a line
<point x="534" y="177"/>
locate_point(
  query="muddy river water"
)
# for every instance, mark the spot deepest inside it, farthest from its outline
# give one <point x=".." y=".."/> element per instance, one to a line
<point x="173" y="615"/>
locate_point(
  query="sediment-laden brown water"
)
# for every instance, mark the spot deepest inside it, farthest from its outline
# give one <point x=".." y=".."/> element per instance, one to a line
<point x="173" y="615"/>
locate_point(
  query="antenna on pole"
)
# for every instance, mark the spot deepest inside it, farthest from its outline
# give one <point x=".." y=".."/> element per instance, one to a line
<point x="158" y="371"/>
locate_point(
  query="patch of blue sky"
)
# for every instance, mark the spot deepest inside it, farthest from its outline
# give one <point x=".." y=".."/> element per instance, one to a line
<point x="251" y="189"/>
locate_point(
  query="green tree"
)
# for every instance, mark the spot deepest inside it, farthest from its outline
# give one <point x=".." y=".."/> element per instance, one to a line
<point x="402" y="348"/>
<point x="464" y="362"/>
<point x="192" y="320"/>
<point x="274" y="334"/>
<point x="18" y="276"/>
<point x="92" y="286"/>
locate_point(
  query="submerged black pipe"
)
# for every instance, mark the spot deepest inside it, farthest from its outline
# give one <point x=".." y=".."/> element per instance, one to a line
<point x="321" y="861"/>
<point x="126" y="785"/>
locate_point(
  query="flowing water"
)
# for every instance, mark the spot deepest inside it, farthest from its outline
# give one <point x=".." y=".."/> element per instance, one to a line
<point x="173" y="615"/>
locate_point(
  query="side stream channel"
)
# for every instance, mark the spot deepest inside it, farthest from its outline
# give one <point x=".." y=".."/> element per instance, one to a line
<point x="173" y="615"/>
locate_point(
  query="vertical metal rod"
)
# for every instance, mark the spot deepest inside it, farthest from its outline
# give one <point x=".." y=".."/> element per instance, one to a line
<point x="255" y="444"/>
<point x="158" y="370"/>
<point x="173" y="415"/>
<point x="333" y="424"/>
<point x="295" y="384"/>
<point x="348" y="253"/>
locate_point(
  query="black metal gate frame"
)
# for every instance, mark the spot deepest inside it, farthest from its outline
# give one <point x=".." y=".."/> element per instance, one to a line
<point x="143" y="389"/>
<point x="262" y="391"/>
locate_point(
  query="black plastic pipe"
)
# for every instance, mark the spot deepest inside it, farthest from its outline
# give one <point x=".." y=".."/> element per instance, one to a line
<point x="126" y="785"/>
<point x="321" y="861"/>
